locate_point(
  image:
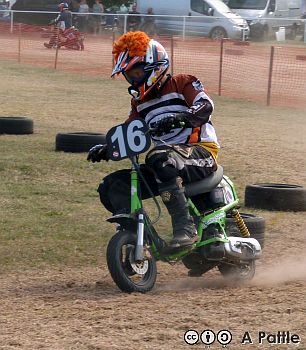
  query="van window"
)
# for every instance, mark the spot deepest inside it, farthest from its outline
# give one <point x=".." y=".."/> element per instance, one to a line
<point x="272" y="6"/>
<point x="248" y="4"/>
<point x="199" y="6"/>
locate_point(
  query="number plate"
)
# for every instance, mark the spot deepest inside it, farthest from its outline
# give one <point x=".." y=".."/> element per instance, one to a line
<point x="128" y="139"/>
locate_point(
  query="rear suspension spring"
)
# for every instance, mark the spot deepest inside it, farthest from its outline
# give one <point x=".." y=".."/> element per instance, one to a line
<point x="240" y="223"/>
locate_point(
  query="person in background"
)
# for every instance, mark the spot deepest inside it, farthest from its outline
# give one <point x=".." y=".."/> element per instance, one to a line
<point x="148" y="24"/>
<point x="97" y="9"/>
<point x="133" y="22"/>
<point x="83" y="16"/>
<point x="123" y="9"/>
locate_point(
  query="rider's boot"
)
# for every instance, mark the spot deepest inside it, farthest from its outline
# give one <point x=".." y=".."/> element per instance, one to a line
<point x="184" y="231"/>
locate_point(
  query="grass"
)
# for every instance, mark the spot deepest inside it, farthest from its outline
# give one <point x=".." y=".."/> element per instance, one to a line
<point x="50" y="213"/>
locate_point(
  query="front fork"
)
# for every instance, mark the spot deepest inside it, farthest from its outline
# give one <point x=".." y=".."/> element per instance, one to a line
<point x="138" y="210"/>
<point x="139" y="254"/>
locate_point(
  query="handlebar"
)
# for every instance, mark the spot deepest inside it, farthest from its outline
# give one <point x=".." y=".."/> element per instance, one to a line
<point x="156" y="128"/>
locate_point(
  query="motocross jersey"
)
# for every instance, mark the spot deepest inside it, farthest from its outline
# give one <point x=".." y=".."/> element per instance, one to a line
<point x="179" y="94"/>
<point x="65" y="20"/>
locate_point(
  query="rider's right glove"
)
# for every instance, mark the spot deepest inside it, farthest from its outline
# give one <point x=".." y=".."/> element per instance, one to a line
<point x="97" y="153"/>
<point x="165" y="125"/>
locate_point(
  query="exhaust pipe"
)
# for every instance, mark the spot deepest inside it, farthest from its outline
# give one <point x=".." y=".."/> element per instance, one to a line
<point x="242" y="248"/>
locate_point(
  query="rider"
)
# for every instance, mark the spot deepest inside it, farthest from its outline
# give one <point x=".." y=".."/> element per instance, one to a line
<point x="182" y="154"/>
<point x="64" y="20"/>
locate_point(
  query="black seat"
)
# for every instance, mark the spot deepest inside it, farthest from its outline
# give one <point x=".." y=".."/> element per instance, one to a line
<point x="205" y="185"/>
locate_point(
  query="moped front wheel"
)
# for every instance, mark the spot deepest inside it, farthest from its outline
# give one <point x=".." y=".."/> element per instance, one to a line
<point x="128" y="274"/>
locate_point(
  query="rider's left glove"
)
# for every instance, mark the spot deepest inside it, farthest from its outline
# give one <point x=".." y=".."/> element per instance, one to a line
<point x="97" y="153"/>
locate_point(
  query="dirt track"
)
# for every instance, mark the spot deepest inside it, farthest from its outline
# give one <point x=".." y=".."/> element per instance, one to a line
<point x="77" y="309"/>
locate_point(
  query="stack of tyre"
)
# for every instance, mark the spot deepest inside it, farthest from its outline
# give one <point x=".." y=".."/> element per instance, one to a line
<point x="267" y="196"/>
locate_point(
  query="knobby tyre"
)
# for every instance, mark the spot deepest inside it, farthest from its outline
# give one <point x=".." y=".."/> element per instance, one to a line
<point x="238" y="274"/>
<point x="128" y="275"/>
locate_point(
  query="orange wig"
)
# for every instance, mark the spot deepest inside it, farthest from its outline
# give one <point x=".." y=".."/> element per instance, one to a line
<point x="136" y="43"/>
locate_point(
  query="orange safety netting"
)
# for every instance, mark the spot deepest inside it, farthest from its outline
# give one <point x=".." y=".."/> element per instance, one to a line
<point x="235" y="69"/>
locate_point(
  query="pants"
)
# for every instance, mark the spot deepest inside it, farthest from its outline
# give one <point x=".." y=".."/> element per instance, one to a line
<point x="163" y="164"/>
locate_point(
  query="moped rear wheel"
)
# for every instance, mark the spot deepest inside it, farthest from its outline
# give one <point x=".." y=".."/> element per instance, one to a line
<point x="129" y="275"/>
<point x="238" y="273"/>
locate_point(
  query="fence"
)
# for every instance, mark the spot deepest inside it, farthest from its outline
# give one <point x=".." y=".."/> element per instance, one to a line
<point x="272" y="74"/>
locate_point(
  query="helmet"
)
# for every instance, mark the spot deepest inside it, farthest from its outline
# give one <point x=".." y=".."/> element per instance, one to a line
<point x="142" y="61"/>
<point x="63" y="6"/>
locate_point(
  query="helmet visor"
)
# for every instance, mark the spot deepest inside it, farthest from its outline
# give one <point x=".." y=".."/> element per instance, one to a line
<point x="137" y="74"/>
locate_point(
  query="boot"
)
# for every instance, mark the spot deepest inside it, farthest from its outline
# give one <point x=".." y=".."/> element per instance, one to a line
<point x="173" y="196"/>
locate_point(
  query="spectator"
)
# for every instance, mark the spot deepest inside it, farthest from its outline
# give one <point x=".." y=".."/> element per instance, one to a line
<point x="83" y="16"/>
<point x="133" y="22"/>
<point x="97" y="19"/>
<point x="148" y="25"/>
<point x="123" y="9"/>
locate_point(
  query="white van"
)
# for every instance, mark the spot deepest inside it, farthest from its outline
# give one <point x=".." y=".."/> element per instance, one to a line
<point x="210" y="18"/>
<point x="266" y="16"/>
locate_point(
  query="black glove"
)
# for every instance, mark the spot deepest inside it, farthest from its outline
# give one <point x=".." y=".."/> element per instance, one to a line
<point x="165" y="125"/>
<point x="97" y="153"/>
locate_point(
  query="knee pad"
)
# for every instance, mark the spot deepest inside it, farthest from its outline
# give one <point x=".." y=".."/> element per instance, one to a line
<point x="156" y="160"/>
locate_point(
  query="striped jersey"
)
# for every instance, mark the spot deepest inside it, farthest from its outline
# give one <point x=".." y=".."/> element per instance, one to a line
<point x="179" y="93"/>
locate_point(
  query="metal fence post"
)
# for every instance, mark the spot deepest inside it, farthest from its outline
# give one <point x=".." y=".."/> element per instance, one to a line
<point x="19" y="43"/>
<point x="172" y="54"/>
<point x="57" y="47"/>
<point x="12" y="22"/>
<point x="125" y="24"/>
<point x="270" y="76"/>
<point x="220" y="66"/>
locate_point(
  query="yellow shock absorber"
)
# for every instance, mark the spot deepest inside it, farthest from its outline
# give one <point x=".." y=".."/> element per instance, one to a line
<point x="240" y="223"/>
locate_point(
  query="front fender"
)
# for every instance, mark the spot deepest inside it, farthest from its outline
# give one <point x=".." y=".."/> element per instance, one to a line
<point x="128" y="221"/>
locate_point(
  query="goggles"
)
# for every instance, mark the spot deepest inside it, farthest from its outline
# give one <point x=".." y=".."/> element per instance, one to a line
<point x="137" y="75"/>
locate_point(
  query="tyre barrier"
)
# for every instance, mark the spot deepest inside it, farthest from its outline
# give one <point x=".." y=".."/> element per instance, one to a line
<point x="78" y="142"/>
<point x="16" y="125"/>
<point x="255" y="224"/>
<point x="270" y="196"/>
